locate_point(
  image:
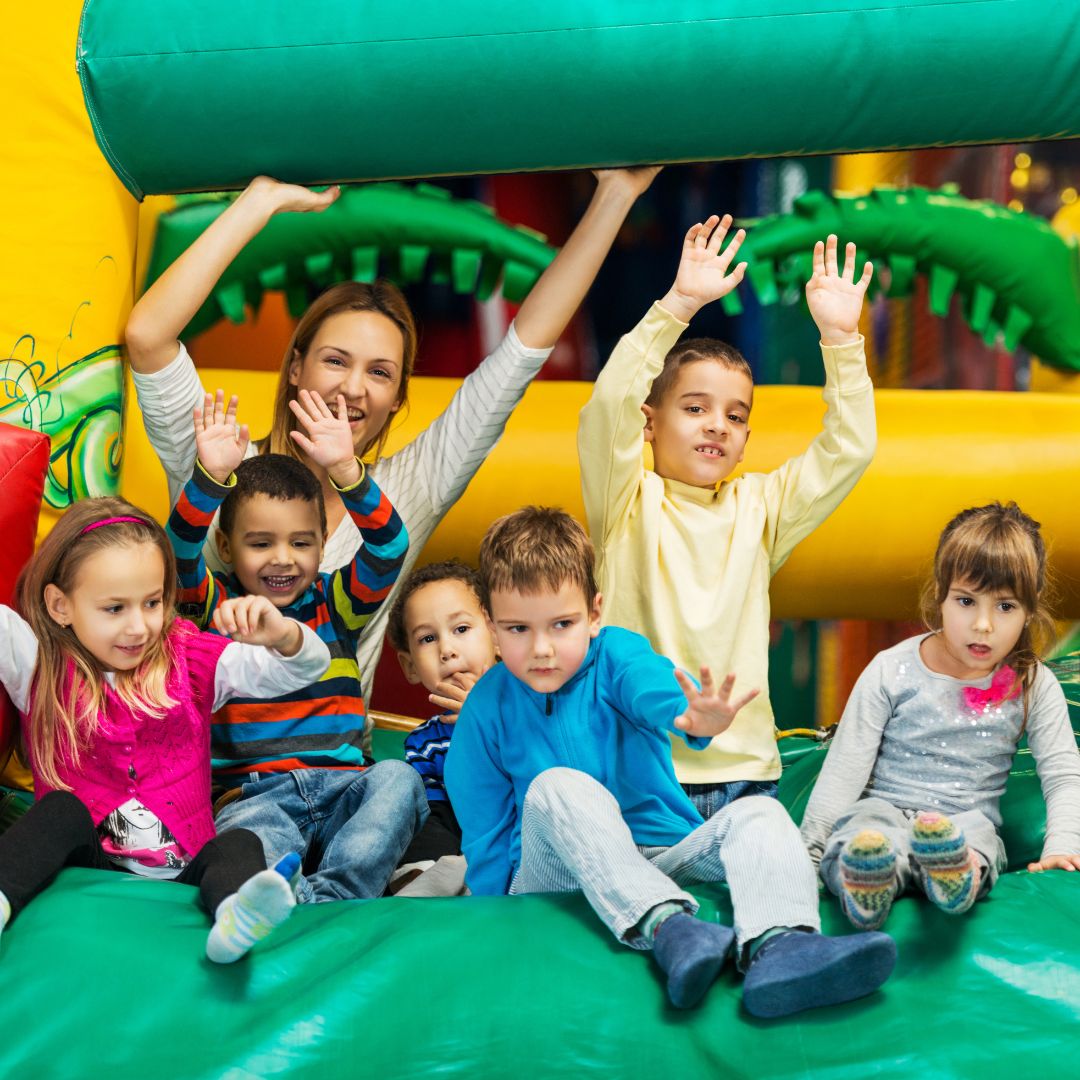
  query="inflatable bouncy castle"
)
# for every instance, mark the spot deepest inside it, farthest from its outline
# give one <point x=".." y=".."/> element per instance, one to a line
<point x="131" y="126"/>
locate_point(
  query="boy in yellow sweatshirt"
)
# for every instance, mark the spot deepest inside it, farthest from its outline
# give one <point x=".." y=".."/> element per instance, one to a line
<point x="685" y="556"/>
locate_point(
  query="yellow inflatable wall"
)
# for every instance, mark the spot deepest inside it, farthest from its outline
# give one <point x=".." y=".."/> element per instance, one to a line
<point x="68" y="234"/>
<point x="937" y="453"/>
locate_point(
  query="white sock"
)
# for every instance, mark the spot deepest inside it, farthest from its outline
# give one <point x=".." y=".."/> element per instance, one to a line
<point x="5" y="912"/>
<point x="264" y="901"/>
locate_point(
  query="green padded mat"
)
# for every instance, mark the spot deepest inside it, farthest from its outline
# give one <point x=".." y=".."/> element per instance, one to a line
<point x="104" y="975"/>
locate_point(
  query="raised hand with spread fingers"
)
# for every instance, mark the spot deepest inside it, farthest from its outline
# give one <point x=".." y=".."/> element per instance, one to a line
<point x="329" y="440"/>
<point x="835" y="299"/>
<point x="221" y="443"/>
<point x="709" y="711"/>
<point x="704" y="272"/>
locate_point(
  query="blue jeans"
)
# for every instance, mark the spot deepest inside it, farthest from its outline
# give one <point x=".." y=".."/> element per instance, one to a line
<point x="351" y="827"/>
<point x="709" y="798"/>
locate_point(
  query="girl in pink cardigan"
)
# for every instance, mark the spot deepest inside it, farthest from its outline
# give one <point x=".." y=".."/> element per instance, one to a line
<point x="115" y="695"/>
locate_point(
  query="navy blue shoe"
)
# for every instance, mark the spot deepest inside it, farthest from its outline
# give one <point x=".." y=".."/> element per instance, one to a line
<point x="691" y="953"/>
<point x="799" y="970"/>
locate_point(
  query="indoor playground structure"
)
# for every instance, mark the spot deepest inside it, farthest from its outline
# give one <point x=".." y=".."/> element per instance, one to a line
<point x="134" y="123"/>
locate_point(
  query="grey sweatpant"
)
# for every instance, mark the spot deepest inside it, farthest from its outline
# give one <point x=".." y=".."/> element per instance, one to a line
<point x="573" y="836"/>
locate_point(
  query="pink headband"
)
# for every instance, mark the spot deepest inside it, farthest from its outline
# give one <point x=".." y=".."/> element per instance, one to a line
<point x="111" y="521"/>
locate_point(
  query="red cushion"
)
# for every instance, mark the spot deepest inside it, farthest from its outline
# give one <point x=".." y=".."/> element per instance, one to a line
<point x="24" y="460"/>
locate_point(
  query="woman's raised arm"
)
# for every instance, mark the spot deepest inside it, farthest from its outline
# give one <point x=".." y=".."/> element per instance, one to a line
<point x="157" y="320"/>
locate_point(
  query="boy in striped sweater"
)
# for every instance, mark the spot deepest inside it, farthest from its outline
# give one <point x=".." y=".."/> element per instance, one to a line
<point x="293" y="767"/>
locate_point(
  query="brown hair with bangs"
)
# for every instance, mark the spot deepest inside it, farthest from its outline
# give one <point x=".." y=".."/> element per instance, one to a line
<point x="996" y="548"/>
<point x="66" y="711"/>
<point x="536" y="549"/>
<point x="381" y="297"/>
<point x="689" y="352"/>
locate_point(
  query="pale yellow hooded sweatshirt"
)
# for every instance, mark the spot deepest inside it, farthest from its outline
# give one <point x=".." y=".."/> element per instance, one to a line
<point x="689" y="567"/>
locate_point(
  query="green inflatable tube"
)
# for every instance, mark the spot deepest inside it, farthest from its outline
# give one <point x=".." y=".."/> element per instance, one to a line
<point x="200" y="95"/>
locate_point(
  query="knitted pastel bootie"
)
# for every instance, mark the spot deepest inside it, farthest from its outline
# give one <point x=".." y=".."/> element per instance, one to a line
<point x="950" y="875"/>
<point x="868" y="876"/>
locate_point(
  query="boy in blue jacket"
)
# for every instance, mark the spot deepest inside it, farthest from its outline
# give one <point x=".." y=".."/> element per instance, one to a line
<point x="560" y="773"/>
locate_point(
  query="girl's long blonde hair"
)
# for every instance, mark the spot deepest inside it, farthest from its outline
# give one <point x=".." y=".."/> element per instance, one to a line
<point x="67" y="690"/>
<point x="996" y="548"/>
<point x="381" y="297"/>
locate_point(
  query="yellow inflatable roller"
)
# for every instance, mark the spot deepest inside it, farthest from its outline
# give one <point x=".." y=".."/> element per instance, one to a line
<point x="937" y="453"/>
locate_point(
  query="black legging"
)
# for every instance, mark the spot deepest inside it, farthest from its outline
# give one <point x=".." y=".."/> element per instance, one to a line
<point x="440" y="835"/>
<point x="57" y="831"/>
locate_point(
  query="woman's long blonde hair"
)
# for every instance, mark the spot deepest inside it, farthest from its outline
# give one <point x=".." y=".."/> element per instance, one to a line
<point x="998" y="549"/>
<point x="381" y="297"/>
<point x="68" y="691"/>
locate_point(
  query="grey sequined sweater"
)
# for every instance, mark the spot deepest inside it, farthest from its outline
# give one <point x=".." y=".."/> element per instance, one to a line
<point x="910" y="736"/>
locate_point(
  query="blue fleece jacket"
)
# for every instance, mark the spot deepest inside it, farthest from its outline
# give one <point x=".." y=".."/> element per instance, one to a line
<point x="611" y="720"/>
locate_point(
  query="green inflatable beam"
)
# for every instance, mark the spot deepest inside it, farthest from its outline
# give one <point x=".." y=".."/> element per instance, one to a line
<point x="202" y="95"/>
<point x="1017" y="278"/>
<point x="405" y="233"/>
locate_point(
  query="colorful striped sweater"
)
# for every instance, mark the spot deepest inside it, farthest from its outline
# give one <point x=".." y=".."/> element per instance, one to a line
<point x="322" y="725"/>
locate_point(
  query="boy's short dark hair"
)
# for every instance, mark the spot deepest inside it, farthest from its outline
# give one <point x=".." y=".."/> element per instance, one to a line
<point x="277" y="476"/>
<point x="689" y="351"/>
<point x="533" y="549"/>
<point x="451" y="570"/>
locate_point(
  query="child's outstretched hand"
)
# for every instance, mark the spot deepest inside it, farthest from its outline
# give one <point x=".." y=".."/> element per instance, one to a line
<point x="329" y="439"/>
<point x="450" y="694"/>
<point x="1056" y="862"/>
<point x="703" y="269"/>
<point x="253" y="620"/>
<point x="835" y="300"/>
<point x="220" y="443"/>
<point x="709" y="711"/>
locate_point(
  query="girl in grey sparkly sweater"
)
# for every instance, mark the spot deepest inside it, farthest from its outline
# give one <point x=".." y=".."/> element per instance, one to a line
<point x="909" y="793"/>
